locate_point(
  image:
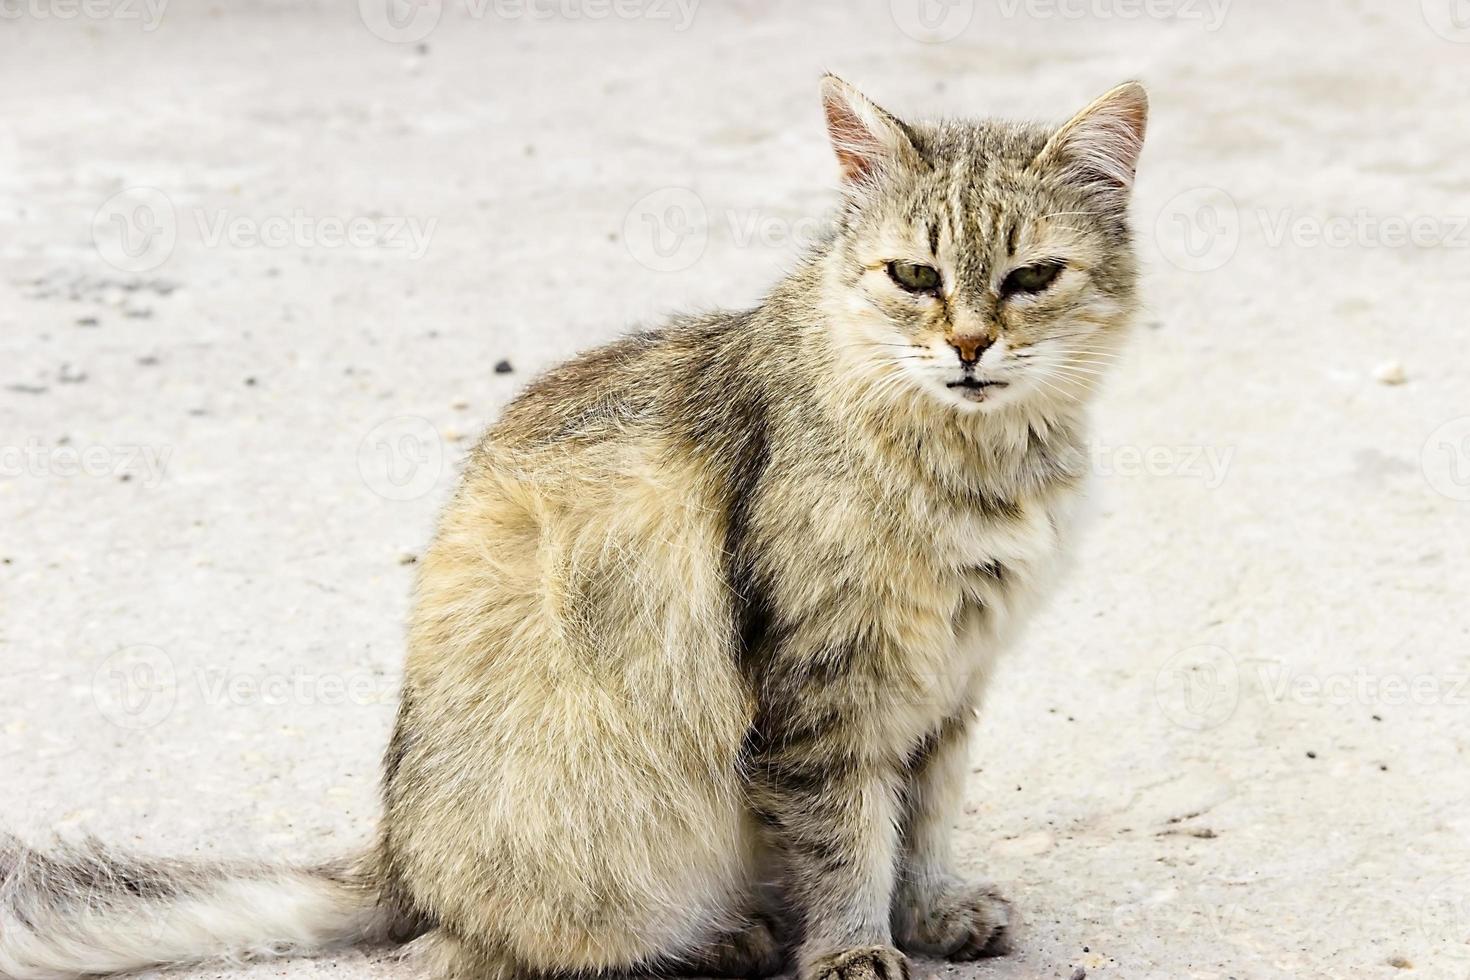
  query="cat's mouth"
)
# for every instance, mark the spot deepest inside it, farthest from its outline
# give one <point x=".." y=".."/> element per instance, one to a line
<point x="973" y="389"/>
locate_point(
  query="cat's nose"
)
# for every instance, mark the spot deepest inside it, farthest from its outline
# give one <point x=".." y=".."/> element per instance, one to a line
<point x="970" y="347"/>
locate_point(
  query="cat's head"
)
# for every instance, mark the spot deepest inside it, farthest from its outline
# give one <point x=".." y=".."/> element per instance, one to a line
<point x="983" y="264"/>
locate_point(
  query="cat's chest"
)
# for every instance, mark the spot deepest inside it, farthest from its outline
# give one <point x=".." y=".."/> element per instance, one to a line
<point x="988" y="569"/>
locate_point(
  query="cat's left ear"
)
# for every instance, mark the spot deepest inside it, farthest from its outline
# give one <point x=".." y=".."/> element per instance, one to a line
<point x="1100" y="145"/>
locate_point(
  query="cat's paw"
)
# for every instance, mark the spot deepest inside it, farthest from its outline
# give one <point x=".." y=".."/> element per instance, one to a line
<point x="753" y="951"/>
<point x="960" y="921"/>
<point x="859" y="963"/>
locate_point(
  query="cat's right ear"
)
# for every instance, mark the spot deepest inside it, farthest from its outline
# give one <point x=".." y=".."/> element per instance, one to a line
<point x="868" y="141"/>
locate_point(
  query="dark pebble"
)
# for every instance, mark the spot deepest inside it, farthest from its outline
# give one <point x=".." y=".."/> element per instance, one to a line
<point x="503" y="367"/>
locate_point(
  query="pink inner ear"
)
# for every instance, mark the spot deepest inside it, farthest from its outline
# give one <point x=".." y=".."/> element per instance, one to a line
<point x="857" y="149"/>
<point x="1104" y="145"/>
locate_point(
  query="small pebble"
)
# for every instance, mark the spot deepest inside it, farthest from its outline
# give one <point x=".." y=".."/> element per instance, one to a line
<point x="459" y="404"/>
<point x="1311" y="755"/>
<point x="1399" y="963"/>
<point x="503" y="367"/>
<point x="408" y="559"/>
<point x="1080" y="973"/>
<point x="1390" y="373"/>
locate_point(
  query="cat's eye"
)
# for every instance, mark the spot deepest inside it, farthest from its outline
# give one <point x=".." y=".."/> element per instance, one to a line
<point x="914" y="277"/>
<point x="1031" y="278"/>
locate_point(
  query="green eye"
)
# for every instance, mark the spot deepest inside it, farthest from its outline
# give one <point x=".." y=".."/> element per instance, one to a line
<point x="1031" y="278"/>
<point x="913" y="277"/>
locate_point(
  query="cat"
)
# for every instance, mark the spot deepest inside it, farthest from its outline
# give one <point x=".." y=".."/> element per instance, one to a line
<point x="696" y="650"/>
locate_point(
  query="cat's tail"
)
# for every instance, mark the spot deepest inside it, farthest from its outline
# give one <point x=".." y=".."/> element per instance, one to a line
<point x="84" y="909"/>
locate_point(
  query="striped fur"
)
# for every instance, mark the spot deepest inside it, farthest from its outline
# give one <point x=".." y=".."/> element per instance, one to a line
<point x="696" y="648"/>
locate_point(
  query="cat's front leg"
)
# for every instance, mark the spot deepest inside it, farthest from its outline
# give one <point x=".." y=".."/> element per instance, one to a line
<point x="833" y="816"/>
<point x="935" y="910"/>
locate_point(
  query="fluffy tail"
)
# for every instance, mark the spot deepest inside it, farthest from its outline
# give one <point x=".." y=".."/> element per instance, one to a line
<point x="83" y="909"/>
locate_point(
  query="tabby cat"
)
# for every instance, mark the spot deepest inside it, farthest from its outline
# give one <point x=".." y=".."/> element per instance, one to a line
<point x="696" y="650"/>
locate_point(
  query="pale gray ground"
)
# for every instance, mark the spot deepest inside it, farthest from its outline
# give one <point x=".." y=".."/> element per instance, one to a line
<point x="1234" y="746"/>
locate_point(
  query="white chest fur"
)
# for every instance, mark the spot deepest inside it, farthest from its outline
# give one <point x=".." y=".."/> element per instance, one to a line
<point x="995" y="569"/>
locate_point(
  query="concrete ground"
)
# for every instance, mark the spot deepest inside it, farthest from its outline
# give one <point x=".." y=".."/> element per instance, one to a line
<point x="261" y="260"/>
